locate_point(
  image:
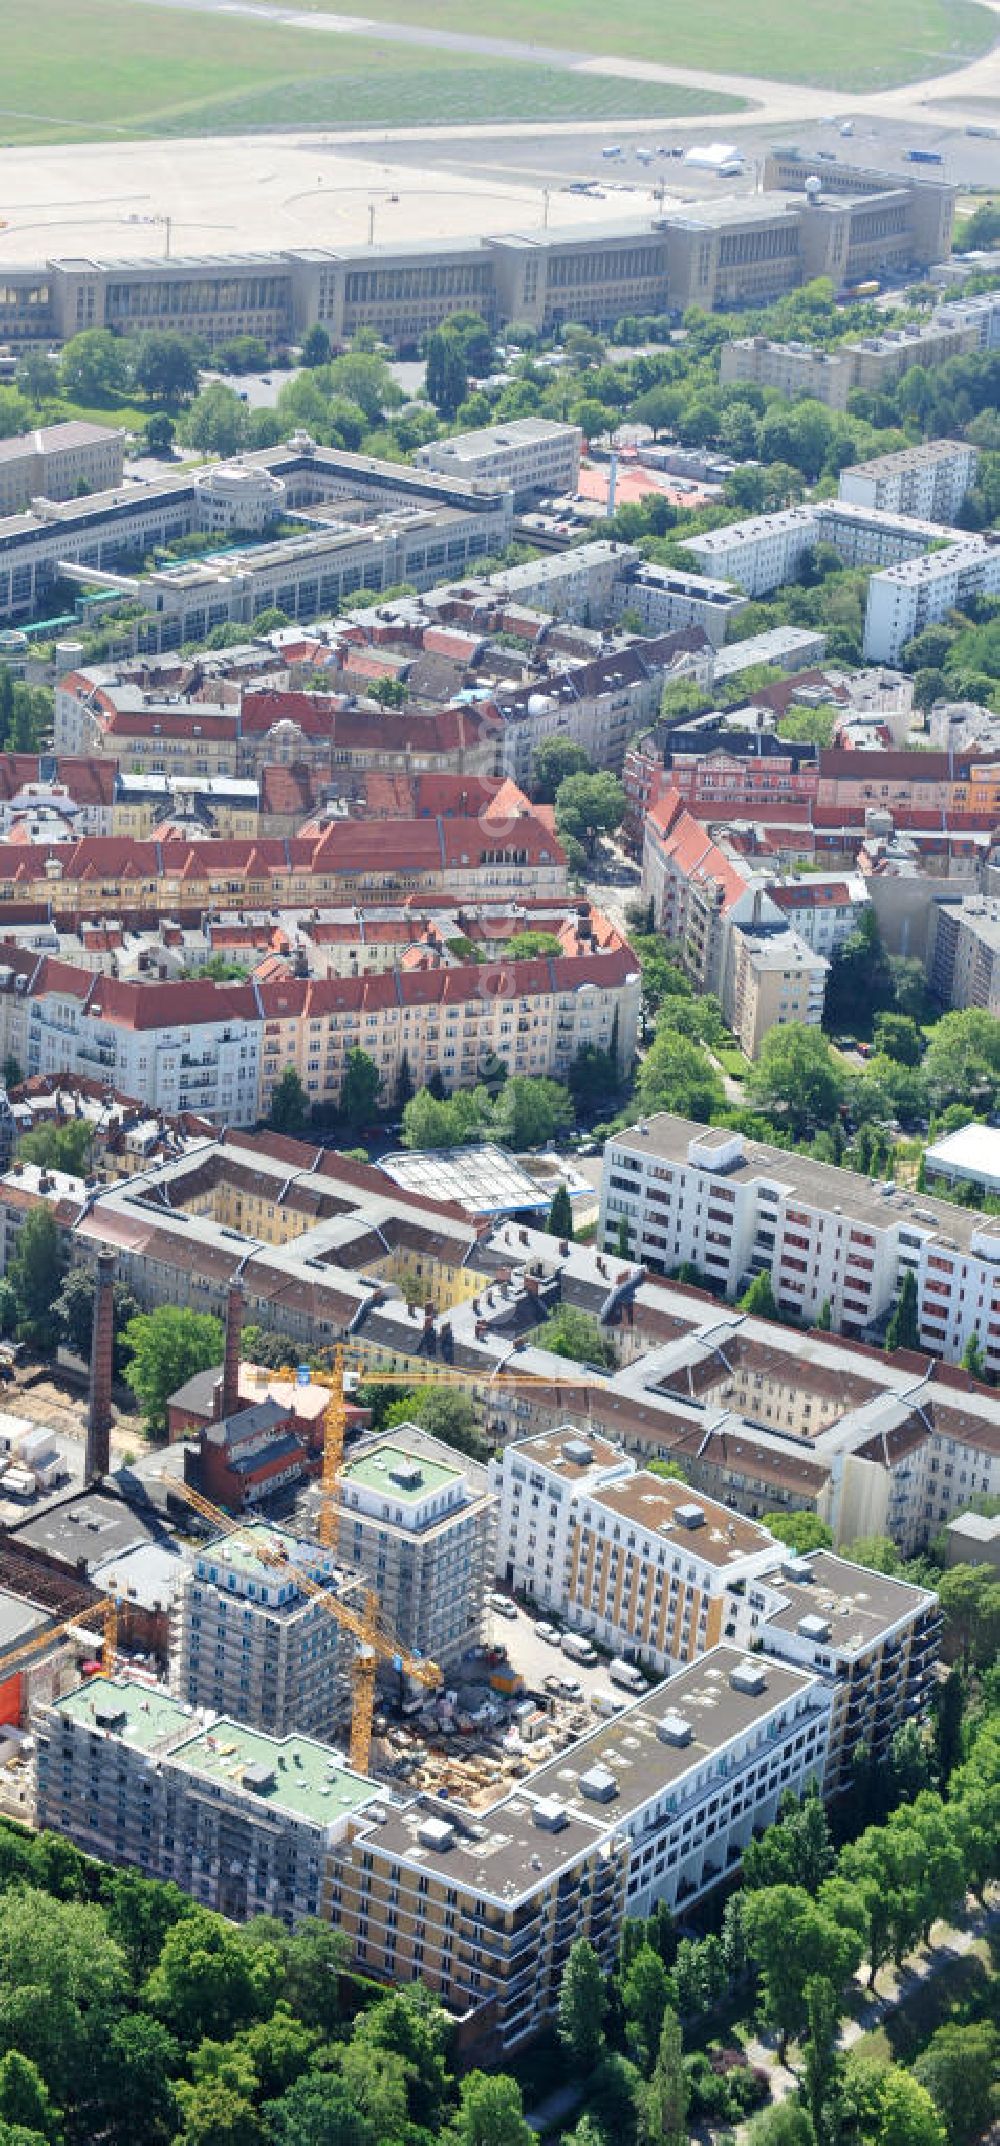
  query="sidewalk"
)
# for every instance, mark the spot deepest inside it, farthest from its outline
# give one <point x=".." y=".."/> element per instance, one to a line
<point x="948" y="1942"/>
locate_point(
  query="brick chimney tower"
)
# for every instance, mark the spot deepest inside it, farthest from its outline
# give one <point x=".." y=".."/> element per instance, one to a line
<point x="231" y="1365"/>
<point x="98" y="1454"/>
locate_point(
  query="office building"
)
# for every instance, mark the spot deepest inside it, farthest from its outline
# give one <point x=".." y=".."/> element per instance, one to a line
<point x="375" y="524"/>
<point x="530" y="456"/>
<point x="59" y="462"/>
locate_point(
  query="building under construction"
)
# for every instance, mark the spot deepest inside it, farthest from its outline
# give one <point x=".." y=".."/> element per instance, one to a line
<point x="250" y="1641"/>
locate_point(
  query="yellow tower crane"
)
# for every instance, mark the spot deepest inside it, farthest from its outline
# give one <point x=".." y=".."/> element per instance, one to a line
<point x="376" y="1641"/>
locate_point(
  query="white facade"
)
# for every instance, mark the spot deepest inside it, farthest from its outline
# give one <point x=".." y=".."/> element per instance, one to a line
<point x="764" y="551"/>
<point x="930" y="481"/>
<point x="921" y="592"/>
<point x="528" y="456"/>
<point x="238" y="495"/>
<point x="665" y="599"/>
<point x="212" y="1067"/>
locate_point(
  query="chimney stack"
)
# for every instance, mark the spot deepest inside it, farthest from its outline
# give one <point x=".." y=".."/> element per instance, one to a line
<point x="98" y="1453"/>
<point x="231" y="1364"/>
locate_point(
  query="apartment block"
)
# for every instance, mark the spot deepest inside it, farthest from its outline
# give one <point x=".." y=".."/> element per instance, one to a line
<point x="666" y="599"/>
<point x="662" y="1576"/>
<point x="922" y="591"/>
<point x="737" y="928"/>
<point x="420" y="1524"/>
<point x="873" y="1640"/>
<point x="929" y="481"/>
<point x="59" y="462"/>
<point x="483" y="1905"/>
<point x="776" y="978"/>
<point x="763" y="552"/>
<point x="624" y="1555"/>
<point x="878" y="361"/>
<point x="250" y="1641"/>
<point x="792" y="368"/>
<point x="980" y="311"/>
<point x="247" y="1823"/>
<point x="734" y="1208"/>
<point x="529" y="456"/>
<point x="872" y="363"/>
<point x="963" y="952"/>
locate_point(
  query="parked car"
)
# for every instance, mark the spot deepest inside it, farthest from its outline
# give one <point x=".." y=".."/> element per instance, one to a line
<point x="548" y="1632"/>
<point x="571" y="1689"/>
<point x="554" y="1686"/>
<point x="502" y="1605"/>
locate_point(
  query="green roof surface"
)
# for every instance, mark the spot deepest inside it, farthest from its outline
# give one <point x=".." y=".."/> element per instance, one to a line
<point x="374" y="1472"/>
<point x="150" y="1714"/>
<point x="310" y="1779"/>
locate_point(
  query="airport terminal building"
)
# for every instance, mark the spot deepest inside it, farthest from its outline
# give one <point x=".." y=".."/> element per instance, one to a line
<point x="732" y="251"/>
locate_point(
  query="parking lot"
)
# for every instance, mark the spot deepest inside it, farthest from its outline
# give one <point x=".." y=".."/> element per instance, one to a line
<point x="535" y="1659"/>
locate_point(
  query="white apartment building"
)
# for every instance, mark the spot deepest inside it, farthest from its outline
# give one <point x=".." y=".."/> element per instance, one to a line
<point x="249" y="1641"/>
<point x="921" y="592"/>
<point x="574" y="584"/>
<point x="734" y="1208"/>
<point x="634" y="1560"/>
<point x="824" y="907"/>
<point x="198" y="1052"/>
<point x="981" y="312"/>
<point x="418" y="1520"/>
<point x="764" y="551"/>
<point x="661" y="1576"/>
<point x="666" y="598"/>
<point x="929" y="481"/>
<point x="59" y="462"/>
<point x="872" y="1639"/>
<point x="760" y="553"/>
<point x="529" y="456"/>
<point x="706" y="1196"/>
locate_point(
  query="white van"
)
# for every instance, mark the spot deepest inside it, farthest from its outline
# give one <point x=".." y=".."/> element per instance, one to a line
<point x="578" y="1649"/>
<point x="628" y="1676"/>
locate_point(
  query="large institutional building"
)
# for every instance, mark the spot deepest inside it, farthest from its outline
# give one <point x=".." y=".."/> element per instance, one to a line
<point x="731" y="252"/>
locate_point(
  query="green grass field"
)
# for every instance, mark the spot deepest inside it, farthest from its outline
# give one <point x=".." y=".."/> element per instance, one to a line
<point x="858" y="44"/>
<point x="85" y="70"/>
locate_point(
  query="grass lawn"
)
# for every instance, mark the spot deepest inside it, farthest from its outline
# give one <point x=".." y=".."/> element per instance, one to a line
<point x="963" y="1986"/>
<point x="856" y="45"/>
<point x="82" y="70"/>
<point x="732" y="1061"/>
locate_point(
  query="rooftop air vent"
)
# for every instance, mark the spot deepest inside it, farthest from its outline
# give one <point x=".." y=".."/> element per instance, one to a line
<point x="550" y="1815"/>
<point x="598" y="1785"/>
<point x="259" y="1779"/>
<point x="748" y="1677"/>
<point x="690" y="1516"/>
<point x="437" y="1833"/>
<point x="674" y="1729"/>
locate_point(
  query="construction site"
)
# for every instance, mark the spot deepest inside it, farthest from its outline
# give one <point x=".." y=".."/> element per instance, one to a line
<point x="366" y="1616"/>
